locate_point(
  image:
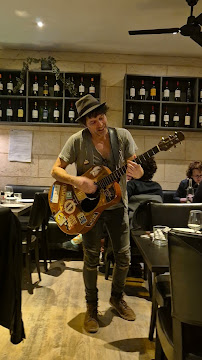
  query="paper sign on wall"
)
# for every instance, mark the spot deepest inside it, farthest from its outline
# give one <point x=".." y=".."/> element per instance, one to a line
<point x="20" y="146"/>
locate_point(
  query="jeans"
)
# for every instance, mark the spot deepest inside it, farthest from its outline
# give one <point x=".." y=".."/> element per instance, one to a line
<point x="117" y="226"/>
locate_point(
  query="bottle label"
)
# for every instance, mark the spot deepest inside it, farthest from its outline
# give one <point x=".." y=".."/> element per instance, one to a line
<point x="130" y="116"/>
<point x="200" y="119"/>
<point x="166" y="118"/>
<point x="20" y="113"/>
<point x="36" y="87"/>
<point x="45" y="92"/>
<point x="187" y="120"/>
<point x="132" y="92"/>
<point x="34" y="114"/>
<point x="153" y="92"/>
<point x="92" y="89"/>
<point x="1" y="114"/>
<point x="56" y="87"/>
<point x="177" y="93"/>
<point x="71" y="114"/>
<point x="141" y="117"/>
<point x="81" y="88"/>
<point x="56" y="114"/>
<point x="9" y="112"/>
<point x="22" y="87"/>
<point x="166" y="93"/>
<point x="201" y="94"/>
<point x="176" y="118"/>
<point x="9" y="86"/>
<point x="45" y="114"/>
<point x="152" y="117"/>
<point x="142" y="91"/>
<point x="1" y="87"/>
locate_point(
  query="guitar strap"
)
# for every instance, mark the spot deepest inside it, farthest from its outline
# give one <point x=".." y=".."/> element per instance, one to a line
<point x="114" y="141"/>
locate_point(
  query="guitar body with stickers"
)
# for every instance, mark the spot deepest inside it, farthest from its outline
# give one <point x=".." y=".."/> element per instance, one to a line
<point x="77" y="212"/>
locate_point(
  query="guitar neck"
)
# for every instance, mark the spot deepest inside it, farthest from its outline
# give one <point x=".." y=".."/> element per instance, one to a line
<point x="116" y="174"/>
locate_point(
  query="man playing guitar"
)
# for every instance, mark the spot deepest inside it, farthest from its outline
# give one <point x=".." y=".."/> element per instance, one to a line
<point x="93" y="146"/>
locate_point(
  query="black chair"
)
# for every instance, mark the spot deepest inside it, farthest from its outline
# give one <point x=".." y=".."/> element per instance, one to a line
<point x="172" y="215"/>
<point x="34" y="232"/>
<point x="11" y="275"/>
<point x="179" y="331"/>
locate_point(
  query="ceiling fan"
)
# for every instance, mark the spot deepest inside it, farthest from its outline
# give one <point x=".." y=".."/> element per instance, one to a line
<point x="192" y="28"/>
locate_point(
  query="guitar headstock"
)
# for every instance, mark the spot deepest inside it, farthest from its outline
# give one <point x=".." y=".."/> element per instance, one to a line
<point x="171" y="140"/>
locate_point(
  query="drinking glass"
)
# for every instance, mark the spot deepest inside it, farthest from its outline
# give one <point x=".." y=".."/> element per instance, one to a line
<point x="8" y="191"/>
<point x="160" y="235"/>
<point x="195" y="220"/>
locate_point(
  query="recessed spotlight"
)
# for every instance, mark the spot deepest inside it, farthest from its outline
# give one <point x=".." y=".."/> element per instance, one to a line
<point x="40" y="24"/>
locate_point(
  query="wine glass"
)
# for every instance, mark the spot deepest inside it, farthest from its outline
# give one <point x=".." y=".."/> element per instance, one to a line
<point x="8" y="191"/>
<point x="195" y="220"/>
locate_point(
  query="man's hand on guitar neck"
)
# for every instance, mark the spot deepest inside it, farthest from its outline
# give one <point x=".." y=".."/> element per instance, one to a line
<point x="134" y="170"/>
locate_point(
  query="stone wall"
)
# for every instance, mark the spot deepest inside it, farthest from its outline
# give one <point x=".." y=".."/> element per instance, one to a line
<point x="48" y="140"/>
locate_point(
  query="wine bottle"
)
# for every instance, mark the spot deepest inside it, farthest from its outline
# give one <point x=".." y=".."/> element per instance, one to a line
<point x="21" y="89"/>
<point x="10" y="86"/>
<point x="35" y="112"/>
<point x="35" y="86"/>
<point x="9" y="112"/>
<point x="45" y="113"/>
<point x="166" y="117"/>
<point x="166" y="93"/>
<point x="46" y="87"/>
<point x="187" y="119"/>
<point x="142" y="91"/>
<point x="200" y="118"/>
<point x="178" y="92"/>
<point x="56" y="113"/>
<point x="188" y="92"/>
<point x="20" y="112"/>
<point x="190" y="192"/>
<point x="81" y="87"/>
<point x="1" y="112"/>
<point x="176" y="119"/>
<point x="141" y="118"/>
<point x="200" y="95"/>
<point x="132" y="91"/>
<point x="92" y="87"/>
<point x="152" y="117"/>
<point x="56" y="89"/>
<point x="153" y="91"/>
<point x="131" y="116"/>
<point x="71" y="113"/>
<point x="1" y="85"/>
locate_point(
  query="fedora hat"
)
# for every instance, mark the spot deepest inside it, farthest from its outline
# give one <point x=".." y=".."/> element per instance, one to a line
<point x="86" y="104"/>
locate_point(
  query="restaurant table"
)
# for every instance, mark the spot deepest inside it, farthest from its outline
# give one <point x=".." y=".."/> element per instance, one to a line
<point x="157" y="262"/>
<point x="18" y="209"/>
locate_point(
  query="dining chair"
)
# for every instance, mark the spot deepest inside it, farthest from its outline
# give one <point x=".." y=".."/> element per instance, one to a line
<point x="179" y="329"/>
<point x="173" y="215"/>
<point x="34" y="233"/>
<point x="11" y="275"/>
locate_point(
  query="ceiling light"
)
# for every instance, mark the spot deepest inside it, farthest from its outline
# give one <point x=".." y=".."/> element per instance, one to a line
<point x="40" y="24"/>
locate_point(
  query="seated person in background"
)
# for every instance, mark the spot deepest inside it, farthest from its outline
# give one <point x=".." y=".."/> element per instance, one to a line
<point x="145" y="185"/>
<point x="194" y="172"/>
<point x="198" y="194"/>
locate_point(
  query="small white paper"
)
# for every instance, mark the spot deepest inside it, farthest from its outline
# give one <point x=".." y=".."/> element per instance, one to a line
<point x="20" y="146"/>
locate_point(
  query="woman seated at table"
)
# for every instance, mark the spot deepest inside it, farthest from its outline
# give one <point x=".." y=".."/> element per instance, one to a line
<point x="193" y="172"/>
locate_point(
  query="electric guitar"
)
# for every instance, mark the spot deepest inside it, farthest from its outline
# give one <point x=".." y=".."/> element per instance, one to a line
<point x="77" y="212"/>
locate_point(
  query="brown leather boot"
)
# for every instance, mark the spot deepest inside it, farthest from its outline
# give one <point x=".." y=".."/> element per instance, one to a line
<point x="122" y="308"/>
<point x="91" y="321"/>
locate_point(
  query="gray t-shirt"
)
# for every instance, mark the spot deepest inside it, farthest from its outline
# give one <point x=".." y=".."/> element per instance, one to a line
<point x="79" y="149"/>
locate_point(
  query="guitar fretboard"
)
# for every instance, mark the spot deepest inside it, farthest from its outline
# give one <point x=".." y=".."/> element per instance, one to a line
<point x="116" y="174"/>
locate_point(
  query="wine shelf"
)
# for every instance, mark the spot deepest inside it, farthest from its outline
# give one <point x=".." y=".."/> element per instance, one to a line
<point x="27" y="101"/>
<point x="137" y="104"/>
